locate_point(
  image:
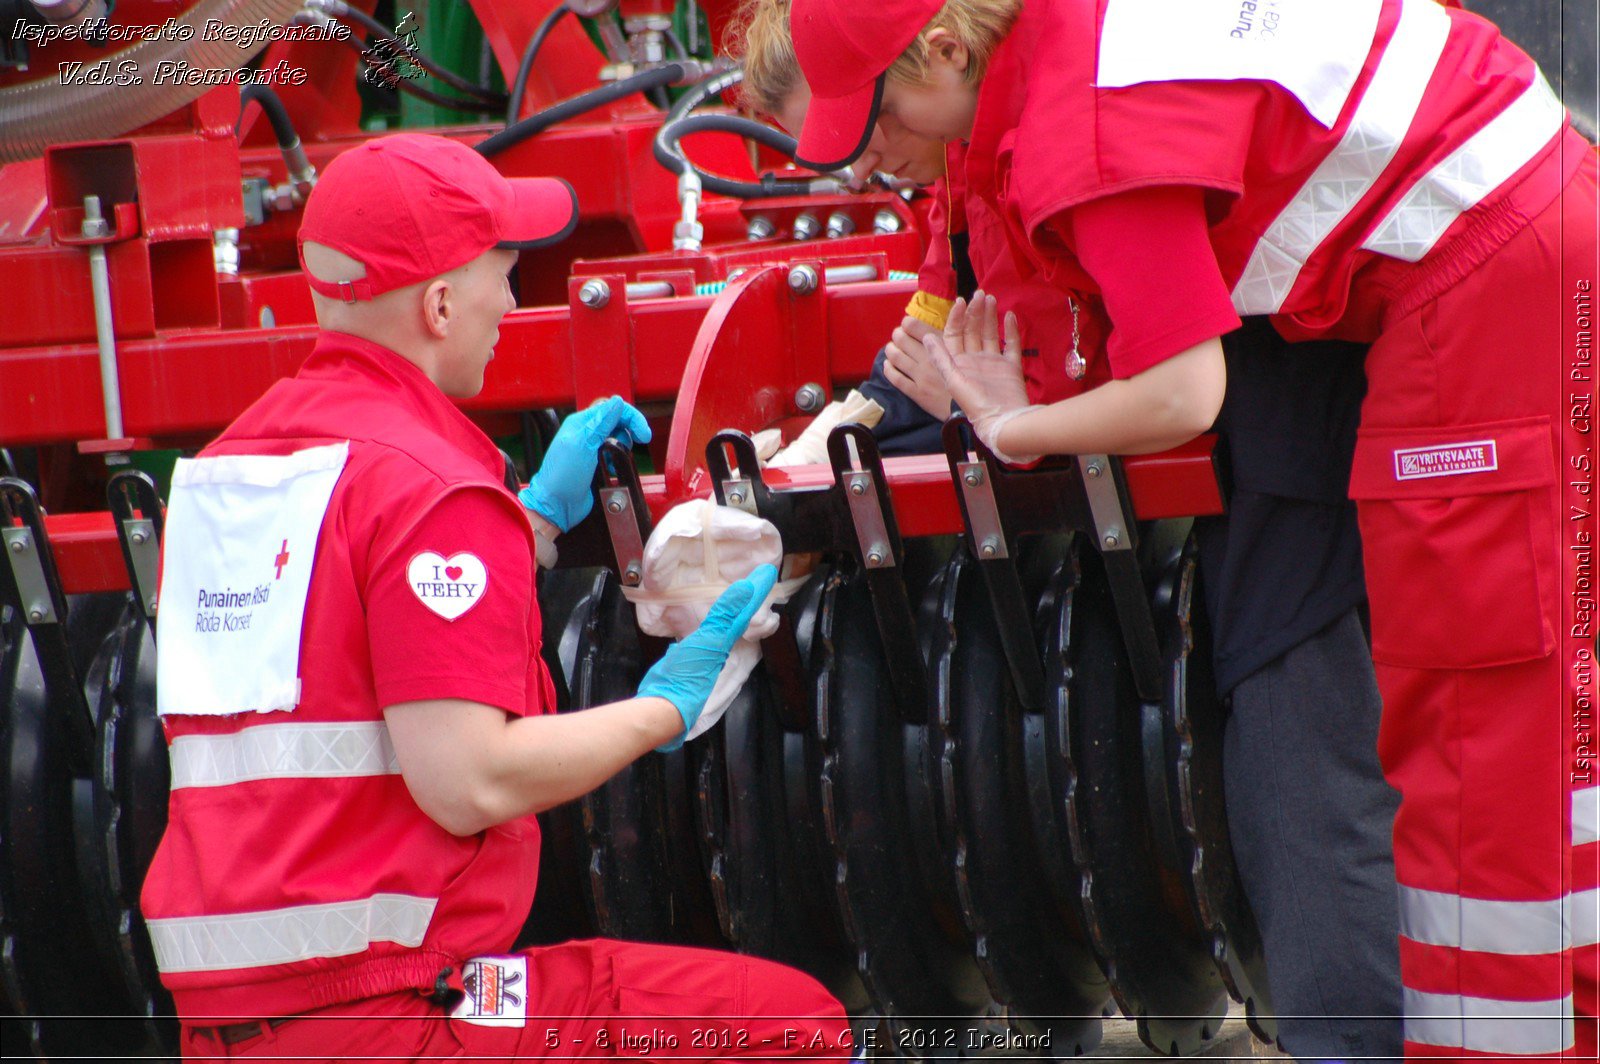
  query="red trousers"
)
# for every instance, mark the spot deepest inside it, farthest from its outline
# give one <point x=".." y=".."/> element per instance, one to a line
<point x="1474" y="480"/>
<point x="599" y="999"/>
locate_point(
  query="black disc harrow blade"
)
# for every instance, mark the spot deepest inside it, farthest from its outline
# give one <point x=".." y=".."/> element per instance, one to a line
<point x="1183" y="764"/>
<point x="1138" y="903"/>
<point x="880" y="798"/>
<point x="636" y="834"/>
<point x="132" y="775"/>
<point x="1029" y="939"/>
<point x="770" y="868"/>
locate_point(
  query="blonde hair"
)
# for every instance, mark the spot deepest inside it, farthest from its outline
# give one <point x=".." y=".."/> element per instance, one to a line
<point x="759" y="38"/>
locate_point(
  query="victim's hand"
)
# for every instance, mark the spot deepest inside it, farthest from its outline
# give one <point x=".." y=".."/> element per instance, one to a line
<point x="907" y="367"/>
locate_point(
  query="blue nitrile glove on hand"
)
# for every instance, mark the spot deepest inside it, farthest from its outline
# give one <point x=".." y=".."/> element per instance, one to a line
<point x="688" y="670"/>
<point x="562" y="491"/>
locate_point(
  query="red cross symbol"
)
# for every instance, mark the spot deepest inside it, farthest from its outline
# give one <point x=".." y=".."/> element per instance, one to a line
<point x="282" y="559"/>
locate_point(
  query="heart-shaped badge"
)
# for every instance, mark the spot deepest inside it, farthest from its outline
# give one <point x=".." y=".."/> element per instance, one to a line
<point x="447" y="586"/>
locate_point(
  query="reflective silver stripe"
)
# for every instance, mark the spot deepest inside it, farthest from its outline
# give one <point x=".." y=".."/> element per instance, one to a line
<point x="1513" y="928"/>
<point x="281" y="936"/>
<point x="1585" y="816"/>
<point x="1485" y="1025"/>
<point x="1382" y="117"/>
<point x="278" y="751"/>
<point x="1470" y="173"/>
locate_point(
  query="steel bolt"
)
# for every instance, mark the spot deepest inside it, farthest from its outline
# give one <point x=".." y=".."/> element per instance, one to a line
<point x="973" y="478"/>
<point x="614" y="506"/>
<point x="1111" y="540"/>
<point x="760" y="228"/>
<point x="809" y="397"/>
<point x="858" y="488"/>
<point x="137" y="537"/>
<point x="19" y="544"/>
<point x="806" y="227"/>
<point x="736" y="497"/>
<point x="874" y="558"/>
<point x="152" y="605"/>
<point x="36" y="615"/>
<point x="885" y="222"/>
<point x="595" y="293"/>
<point x="631" y="576"/>
<point x="989" y="548"/>
<point x="803" y="280"/>
<point x="1095" y="469"/>
<point x="840" y="224"/>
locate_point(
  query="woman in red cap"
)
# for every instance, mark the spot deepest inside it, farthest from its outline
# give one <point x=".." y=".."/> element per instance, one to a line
<point x="1384" y="171"/>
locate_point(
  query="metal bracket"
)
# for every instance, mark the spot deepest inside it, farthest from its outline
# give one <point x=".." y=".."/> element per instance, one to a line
<point x="34" y="588"/>
<point x="861" y="493"/>
<point x="859" y="480"/>
<point x="1113" y="527"/>
<point x="22" y="552"/>
<point x="983" y="515"/>
<point x="626" y="514"/>
<point x="136" y="509"/>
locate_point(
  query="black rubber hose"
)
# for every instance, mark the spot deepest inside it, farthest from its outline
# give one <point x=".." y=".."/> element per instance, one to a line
<point x="449" y="77"/>
<point x="768" y="185"/>
<point x="525" y="68"/>
<point x="273" y="108"/>
<point x="534" y="124"/>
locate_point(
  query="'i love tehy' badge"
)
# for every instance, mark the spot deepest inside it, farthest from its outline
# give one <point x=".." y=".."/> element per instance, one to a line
<point x="447" y="586"/>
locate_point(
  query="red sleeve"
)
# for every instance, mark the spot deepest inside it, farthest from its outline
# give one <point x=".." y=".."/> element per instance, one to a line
<point x="1150" y="254"/>
<point x="450" y="608"/>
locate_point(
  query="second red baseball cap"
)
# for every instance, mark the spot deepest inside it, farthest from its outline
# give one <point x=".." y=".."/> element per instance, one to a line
<point x="412" y="206"/>
<point x="844" y="50"/>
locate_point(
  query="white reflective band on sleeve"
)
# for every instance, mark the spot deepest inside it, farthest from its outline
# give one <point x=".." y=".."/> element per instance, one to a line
<point x="282" y="936"/>
<point x="1382" y="117"/>
<point x="1470" y="173"/>
<point x="1585" y="816"/>
<point x="1512" y="928"/>
<point x="281" y="751"/>
<point x="1485" y="1025"/>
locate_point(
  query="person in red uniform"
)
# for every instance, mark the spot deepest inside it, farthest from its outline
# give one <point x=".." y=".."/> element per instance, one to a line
<point x="1384" y="171"/>
<point x="1281" y="574"/>
<point x="360" y="724"/>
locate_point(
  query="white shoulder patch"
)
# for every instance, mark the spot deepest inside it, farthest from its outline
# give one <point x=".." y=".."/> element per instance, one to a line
<point x="447" y="586"/>
<point x="1315" y="49"/>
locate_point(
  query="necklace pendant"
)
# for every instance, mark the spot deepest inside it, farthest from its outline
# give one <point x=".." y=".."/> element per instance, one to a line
<point x="1076" y="366"/>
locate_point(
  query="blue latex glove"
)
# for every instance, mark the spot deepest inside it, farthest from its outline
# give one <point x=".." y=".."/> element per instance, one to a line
<point x="562" y="491"/>
<point x="689" y="669"/>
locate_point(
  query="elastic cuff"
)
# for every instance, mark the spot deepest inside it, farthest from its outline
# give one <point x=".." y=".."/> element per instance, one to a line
<point x="999" y="423"/>
<point x="929" y="309"/>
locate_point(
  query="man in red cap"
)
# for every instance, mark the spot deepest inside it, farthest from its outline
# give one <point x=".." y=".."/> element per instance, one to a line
<point x="360" y="724"/>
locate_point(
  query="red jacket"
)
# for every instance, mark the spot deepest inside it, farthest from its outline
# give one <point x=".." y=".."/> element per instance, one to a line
<point x="1431" y="116"/>
<point x="296" y="886"/>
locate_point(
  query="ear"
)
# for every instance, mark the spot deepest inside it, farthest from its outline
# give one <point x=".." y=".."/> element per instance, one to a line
<point x="436" y="308"/>
<point x="946" y="49"/>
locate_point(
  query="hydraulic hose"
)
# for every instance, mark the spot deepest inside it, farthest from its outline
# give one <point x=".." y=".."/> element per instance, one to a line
<point x="681" y="122"/>
<point x="44" y="112"/>
<point x="655" y="77"/>
<point x="273" y="108"/>
<point x="525" y="68"/>
<point x="411" y="88"/>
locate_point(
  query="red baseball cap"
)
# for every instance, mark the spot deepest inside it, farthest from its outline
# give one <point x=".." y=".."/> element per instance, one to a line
<point x="411" y="206"/>
<point x="844" y="51"/>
